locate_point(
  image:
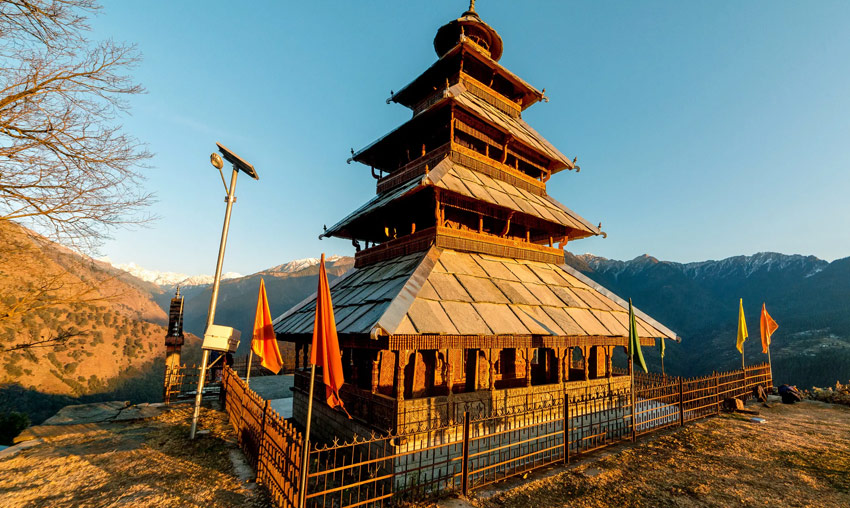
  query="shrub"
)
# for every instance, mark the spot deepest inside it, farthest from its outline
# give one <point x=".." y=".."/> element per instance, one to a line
<point x="11" y="424"/>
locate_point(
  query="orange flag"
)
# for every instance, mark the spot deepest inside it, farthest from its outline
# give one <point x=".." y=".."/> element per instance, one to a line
<point x="768" y="326"/>
<point x="264" y="342"/>
<point x="325" y="351"/>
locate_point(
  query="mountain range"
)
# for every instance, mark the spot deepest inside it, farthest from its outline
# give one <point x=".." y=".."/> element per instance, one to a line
<point x="808" y="296"/>
<point x="118" y="350"/>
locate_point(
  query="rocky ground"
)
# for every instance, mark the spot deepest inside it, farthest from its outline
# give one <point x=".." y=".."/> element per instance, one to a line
<point x="128" y="456"/>
<point x="838" y="394"/>
<point x="799" y="457"/>
<point x="141" y="456"/>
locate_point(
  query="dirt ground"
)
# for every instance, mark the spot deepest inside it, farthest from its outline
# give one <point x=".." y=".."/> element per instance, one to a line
<point x="800" y="457"/>
<point x="148" y="463"/>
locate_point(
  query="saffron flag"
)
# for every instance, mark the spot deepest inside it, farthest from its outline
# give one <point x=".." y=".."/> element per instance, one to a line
<point x="662" y="348"/>
<point x="264" y="342"/>
<point x="742" y="328"/>
<point x="768" y="326"/>
<point x="634" y="341"/>
<point x="325" y="351"/>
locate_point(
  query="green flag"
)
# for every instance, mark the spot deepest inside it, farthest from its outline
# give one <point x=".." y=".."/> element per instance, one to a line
<point x="634" y="342"/>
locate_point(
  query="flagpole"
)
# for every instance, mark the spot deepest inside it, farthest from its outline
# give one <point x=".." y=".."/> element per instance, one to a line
<point x="770" y="365"/>
<point x="632" y="375"/>
<point x="306" y="449"/>
<point x="250" y="358"/>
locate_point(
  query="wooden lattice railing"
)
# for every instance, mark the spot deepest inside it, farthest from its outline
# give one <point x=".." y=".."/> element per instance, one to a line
<point x="391" y="469"/>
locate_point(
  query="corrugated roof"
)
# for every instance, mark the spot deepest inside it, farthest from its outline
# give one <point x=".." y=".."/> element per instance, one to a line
<point x="447" y="292"/>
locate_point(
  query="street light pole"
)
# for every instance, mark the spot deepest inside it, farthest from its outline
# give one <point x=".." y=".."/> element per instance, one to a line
<point x="231" y="198"/>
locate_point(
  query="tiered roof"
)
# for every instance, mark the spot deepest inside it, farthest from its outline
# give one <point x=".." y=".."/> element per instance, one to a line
<point x="450" y="293"/>
<point x="463" y="232"/>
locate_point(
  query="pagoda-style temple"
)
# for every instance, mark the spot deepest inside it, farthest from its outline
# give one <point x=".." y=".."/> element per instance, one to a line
<point x="460" y="298"/>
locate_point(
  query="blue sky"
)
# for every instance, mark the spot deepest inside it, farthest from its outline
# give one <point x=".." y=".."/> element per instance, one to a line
<point x="703" y="129"/>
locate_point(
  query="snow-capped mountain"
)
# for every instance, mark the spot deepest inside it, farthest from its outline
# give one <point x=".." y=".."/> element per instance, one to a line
<point x="300" y="264"/>
<point x="736" y="266"/>
<point x="170" y="279"/>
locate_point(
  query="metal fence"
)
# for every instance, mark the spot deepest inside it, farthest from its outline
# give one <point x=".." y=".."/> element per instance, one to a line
<point x="181" y="382"/>
<point x="388" y="469"/>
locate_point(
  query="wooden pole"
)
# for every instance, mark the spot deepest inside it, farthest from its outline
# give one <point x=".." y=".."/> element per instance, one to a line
<point x="770" y="365"/>
<point x="566" y="428"/>
<point x="248" y="374"/>
<point x="464" y="464"/>
<point x="632" y="373"/>
<point x="305" y="461"/>
<point x="663" y="374"/>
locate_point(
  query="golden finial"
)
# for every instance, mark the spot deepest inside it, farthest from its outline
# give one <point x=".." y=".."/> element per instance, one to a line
<point x="471" y="5"/>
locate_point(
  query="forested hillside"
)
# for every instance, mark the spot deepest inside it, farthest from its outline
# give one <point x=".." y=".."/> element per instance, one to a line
<point x="807" y="296"/>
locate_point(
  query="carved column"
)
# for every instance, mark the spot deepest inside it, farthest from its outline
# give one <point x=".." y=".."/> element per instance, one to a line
<point x="609" y="354"/>
<point x="492" y="365"/>
<point x="376" y="371"/>
<point x="450" y="381"/>
<point x="474" y="367"/>
<point x="305" y="350"/>
<point x="297" y="353"/>
<point x="527" y="357"/>
<point x="401" y="363"/>
<point x="559" y="356"/>
<point x="584" y="352"/>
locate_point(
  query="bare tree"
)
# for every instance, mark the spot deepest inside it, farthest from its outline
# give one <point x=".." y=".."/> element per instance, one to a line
<point x="66" y="168"/>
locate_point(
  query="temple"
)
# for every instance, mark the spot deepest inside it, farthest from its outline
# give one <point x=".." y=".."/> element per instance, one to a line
<point x="460" y="298"/>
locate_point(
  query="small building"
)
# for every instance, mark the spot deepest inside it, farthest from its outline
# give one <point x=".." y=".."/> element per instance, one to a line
<point x="459" y="299"/>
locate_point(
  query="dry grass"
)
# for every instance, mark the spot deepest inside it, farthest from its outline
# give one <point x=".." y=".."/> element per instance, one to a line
<point x="149" y="463"/>
<point x="800" y="457"/>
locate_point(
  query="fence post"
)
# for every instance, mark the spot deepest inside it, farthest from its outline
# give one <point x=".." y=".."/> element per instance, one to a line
<point x="262" y="440"/>
<point x="464" y="464"/>
<point x="634" y="416"/>
<point x="717" y="392"/>
<point x="566" y="428"/>
<point x="681" y="402"/>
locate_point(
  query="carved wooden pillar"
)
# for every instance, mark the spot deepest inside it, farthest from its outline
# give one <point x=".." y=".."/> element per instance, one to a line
<point x="492" y="365"/>
<point x="527" y="357"/>
<point x="450" y="374"/>
<point x="376" y="371"/>
<point x="305" y="350"/>
<point x="297" y="353"/>
<point x="401" y="363"/>
<point x="559" y="355"/>
<point x="473" y="368"/>
<point x="584" y="352"/>
<point x="609" y="355"/>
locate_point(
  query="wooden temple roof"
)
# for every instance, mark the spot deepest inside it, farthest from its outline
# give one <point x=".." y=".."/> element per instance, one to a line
<point x="454" y="177"/>
<point x="409" y="95"/>
<point x="516" y="128"/>
<point x="447" y="292"/>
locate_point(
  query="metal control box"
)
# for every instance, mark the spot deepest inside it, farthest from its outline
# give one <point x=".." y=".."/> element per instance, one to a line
<point x="221" y="338"/>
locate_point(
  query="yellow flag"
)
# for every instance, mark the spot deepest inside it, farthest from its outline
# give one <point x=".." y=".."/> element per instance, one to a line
<point x="742" y="328"/>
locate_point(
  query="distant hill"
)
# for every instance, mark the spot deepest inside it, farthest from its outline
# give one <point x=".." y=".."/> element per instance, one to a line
<point x="286" y="285"/>
<point x="117" y="328"/>
<point x="808" y="297"/>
